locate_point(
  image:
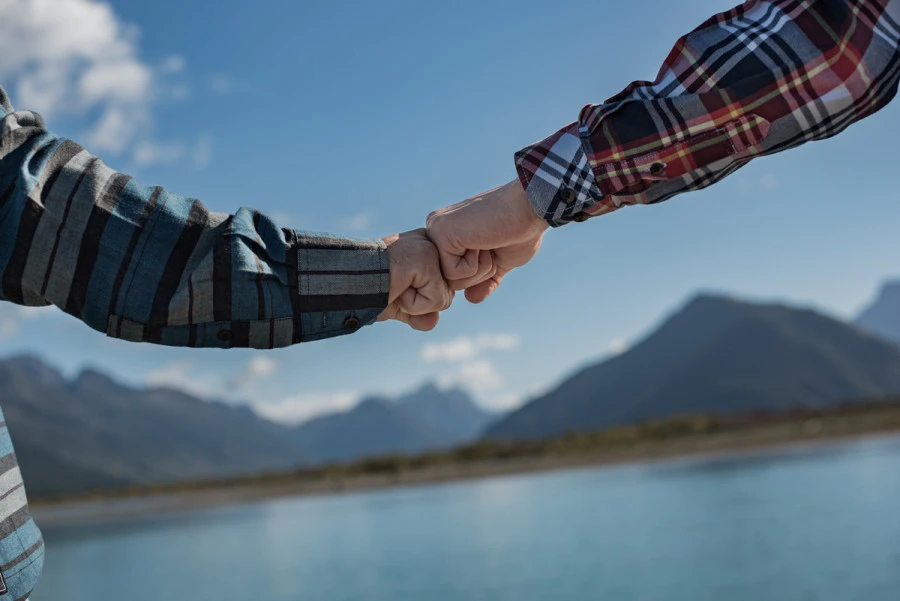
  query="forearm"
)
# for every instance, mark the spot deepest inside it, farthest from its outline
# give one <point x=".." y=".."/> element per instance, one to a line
<point x="143" y="264"/>
<point x="762" y="78"/>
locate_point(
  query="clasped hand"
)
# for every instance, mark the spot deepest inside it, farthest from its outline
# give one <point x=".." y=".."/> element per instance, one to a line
<point x="468" y="246"/>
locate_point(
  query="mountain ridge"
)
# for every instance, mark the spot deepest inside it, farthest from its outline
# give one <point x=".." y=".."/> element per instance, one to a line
<point x="882" y="315"/>
<point x="426" y="419"/>
<point x="92" y="431"/>
<point x="716" y="355"/>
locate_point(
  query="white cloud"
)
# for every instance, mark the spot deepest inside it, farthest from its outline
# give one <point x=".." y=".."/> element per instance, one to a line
<point x="198" y="380"/>
<point x="259" y="366"/>
<point x="299" y="408"/>
<point x="458" y="349"/>
<point x="472" y="371"/>
<point x="480" y="375"/>
<point x="12" y="316"/>
<point x="617" y="346"/>
<point x="221" y="84"/>
<point x="186" y="376"/>
<point x="77" y="58"/>
<point x="504" y="401"/>
<point x="477" y="376"/>
<point x="115" y="129"/>
<point x="122" y="81"/>
<point x="148" y="152"/>
<point x="357" y="223"/>
<point x="465" y="348"/>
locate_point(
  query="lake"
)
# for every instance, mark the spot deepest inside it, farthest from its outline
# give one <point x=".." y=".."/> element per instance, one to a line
<point x="820" y="523"/>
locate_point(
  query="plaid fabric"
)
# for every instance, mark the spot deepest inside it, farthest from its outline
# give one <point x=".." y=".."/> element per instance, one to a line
<point x="146" y="265"/>
<point x="761" y="78"/>
<point x="21" y="544"/>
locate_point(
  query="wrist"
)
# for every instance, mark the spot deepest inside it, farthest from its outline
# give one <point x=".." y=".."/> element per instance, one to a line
<point x="517" y="202"/>
<point x="393" y="268"/>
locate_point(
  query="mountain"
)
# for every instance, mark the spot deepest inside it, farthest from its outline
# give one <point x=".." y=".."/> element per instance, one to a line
<point x="717" y="355"/>
<point x="451" y="411"/>
<point x="93" y="432"/>
<point x="374" y="427"/>
<point x="428" y="418"/>
<point x="882" y="317"/>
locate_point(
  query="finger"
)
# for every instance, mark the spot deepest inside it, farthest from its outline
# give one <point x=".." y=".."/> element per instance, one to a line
<point x="433" y="295"/>
<point x="458" y="264"/>
<point x="479" y="293"/>
<point x="392" y="311"/>
<point x="424" y="323"/>
<point x="486" y="269"/>
<point x="457" y="260"/>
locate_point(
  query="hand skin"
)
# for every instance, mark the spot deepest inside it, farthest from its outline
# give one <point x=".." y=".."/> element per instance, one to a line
<point x="483" y="238"/>
<point x="418" y="290"/>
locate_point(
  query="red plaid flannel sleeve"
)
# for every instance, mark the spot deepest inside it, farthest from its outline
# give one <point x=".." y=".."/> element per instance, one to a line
<point x="761" y="78"/>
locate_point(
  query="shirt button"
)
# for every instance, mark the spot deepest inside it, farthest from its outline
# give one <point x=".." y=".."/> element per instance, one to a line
<point x="657" y="168"/>
<point x="225" y="335"/>
<point x="351" y="323"/>
<point x="569" y="196"/>
<point x="580" y="217"/>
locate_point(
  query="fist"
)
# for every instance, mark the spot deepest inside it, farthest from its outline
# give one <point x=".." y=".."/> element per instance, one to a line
<point x="483" y="238"/>
<point x="418" y="289"/>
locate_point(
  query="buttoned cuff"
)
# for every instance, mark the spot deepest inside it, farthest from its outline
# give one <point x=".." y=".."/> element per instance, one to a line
<point x="558" y="179"/>
<point x="343" y="284"/>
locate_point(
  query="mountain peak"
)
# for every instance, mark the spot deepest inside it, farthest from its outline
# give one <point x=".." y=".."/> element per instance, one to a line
<point x="450" y="410"/>
<point x="890" y="288"/>
<point x="27" y="361"/>
<point x="882" y="316"/>
<point x="33" y="367"/>
<point x="429" y="387"/>
<point x="707" y="299"/>
<point x="372" y="403"/>
<point x="124" y="435"/>
<point x="91" y="377"/>
<point x="705" y="303"/>
<point x="717" y="355"/>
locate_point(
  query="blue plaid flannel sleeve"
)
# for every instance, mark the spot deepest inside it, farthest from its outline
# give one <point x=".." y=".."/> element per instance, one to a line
<point x="147" y="265"/>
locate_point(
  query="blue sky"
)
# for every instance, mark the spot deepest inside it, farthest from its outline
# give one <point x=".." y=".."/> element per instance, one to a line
<point x="361" y="117"/>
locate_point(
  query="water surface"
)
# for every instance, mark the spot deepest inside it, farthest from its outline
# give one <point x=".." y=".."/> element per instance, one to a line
<point x="814" y="524"/>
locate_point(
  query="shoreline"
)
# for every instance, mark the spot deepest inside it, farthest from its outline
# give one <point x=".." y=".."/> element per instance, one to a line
<point x="123" y="509"/>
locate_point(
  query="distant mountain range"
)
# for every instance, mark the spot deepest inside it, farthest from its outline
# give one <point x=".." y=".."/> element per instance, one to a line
<point x="717" y="355"/>
<point x="429" y="418"/>
<point x="714" y="355"/>
<point x="93" y="432"/>
<point x="883" y="316"/>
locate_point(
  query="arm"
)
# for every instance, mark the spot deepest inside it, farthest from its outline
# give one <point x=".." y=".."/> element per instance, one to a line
<point x="143" y="264"/>
<point x="761" y="78"/>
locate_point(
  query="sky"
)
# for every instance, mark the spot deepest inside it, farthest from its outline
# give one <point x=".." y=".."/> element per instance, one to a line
<point x="360" y="117"/>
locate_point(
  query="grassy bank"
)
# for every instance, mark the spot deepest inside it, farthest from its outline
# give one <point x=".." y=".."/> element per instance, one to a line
<point x="677" y="436"/>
